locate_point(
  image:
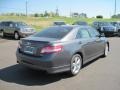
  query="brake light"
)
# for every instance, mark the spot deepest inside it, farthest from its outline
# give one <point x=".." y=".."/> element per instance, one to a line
<point x="52" y="49"/>
<point x="19" y="44"/>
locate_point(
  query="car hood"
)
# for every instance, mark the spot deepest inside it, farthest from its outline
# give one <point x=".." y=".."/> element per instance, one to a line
<point x="27" y="29"/>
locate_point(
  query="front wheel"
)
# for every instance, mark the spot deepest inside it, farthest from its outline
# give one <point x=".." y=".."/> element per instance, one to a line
<point x="16" y="36"/>
<point x="106" y="51"/>
<point x="76" y="64"/>
<point x="2" y="34"/>
<point x="119" y="33"/>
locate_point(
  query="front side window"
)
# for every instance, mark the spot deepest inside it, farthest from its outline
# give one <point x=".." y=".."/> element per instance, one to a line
<point x="5" y="24"/>
<point x="93" y="32"/>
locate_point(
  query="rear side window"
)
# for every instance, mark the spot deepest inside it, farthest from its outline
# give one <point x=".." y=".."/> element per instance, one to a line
<point x="54" y="32"/>
<point x="83" y="33"/>
<point x="6" y="24"/>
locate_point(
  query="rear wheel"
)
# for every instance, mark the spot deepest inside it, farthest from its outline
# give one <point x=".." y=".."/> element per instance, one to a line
<point x="16" y="35"/>
<point x="76" y="64"/>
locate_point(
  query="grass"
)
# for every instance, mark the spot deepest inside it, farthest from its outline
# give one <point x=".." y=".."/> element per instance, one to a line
<point x="41" y="22"/>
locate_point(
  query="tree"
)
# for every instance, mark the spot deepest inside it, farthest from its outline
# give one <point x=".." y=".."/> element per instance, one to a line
<point x="116" y="16"/>
<point x="46" y="14"/>
<point x="99" y="16"/>
<point x="36" y="15"/>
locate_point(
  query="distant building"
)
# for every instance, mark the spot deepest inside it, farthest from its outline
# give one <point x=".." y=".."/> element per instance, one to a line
<point x="75" y="14"/>
<point x="81" y="15"/>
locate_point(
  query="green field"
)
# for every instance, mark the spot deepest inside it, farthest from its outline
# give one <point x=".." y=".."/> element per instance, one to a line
<point x="41" y="22"/>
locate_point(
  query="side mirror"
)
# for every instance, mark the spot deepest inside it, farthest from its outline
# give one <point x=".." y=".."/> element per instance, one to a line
<point x="102" y="35"/>
<point x="11" y="25"/>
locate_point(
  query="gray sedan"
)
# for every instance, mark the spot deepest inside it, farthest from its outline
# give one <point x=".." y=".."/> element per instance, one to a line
<point x="62" y="48"/>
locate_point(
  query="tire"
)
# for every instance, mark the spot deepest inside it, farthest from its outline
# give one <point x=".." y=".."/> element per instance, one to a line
<point x="2" y="34"/>
<point x="16" y="36"/>
<point x="76" y="64"/>
<point x="118" y="33"/>
<point x="106" y="50"/>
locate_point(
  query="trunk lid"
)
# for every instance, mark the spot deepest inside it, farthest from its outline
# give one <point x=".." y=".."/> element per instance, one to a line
<point x="33" y="45"/>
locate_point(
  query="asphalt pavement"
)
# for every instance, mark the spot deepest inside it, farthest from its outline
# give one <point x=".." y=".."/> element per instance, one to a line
<point x="100" y="74"/>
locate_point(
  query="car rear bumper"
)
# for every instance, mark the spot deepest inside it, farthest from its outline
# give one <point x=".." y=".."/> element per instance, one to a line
<point x="41" y="63"/>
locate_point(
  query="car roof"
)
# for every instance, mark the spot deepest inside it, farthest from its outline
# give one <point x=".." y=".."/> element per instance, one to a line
<point x="72" y="26"/>
<point x="12" y="21"/>
<point x="115" y="22"/>
<point x="80" y="21"/>
<point x="58" y="21"/>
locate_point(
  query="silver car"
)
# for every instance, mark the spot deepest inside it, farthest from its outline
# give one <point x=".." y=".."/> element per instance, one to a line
<point x="15" y="29"/>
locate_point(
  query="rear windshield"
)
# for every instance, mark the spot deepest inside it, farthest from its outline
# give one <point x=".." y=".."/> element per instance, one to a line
<point x="82" y="23"/>
<point x="59" y="23"/>
<point x="54" y="32"/>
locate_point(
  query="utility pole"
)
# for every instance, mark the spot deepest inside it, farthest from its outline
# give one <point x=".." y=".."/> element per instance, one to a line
<point x="115" y="8"/>
<point x="70" y="13"/>
<point x="26" y="6"/>
<point x="57" y="11"/>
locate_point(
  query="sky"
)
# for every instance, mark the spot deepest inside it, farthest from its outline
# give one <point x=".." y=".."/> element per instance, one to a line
<point x="90" y="7"/>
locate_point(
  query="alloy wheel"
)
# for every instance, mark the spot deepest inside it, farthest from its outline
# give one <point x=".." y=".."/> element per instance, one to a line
<point x="76" y="64"/>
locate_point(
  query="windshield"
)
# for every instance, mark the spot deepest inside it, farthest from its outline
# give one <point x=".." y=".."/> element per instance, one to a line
<point x="106" y="24"/>
<point x="21" y="24"/>
<point x="59" y="23"/>
<point x="54" y="32"/>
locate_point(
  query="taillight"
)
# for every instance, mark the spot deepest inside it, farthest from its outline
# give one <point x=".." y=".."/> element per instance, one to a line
<point x="52" y="49"/>
<point x="19" y="44"/>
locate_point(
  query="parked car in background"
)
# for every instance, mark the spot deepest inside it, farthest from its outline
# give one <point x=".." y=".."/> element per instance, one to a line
<point x="62" y="48"/>
<point x="105" y="27"/>
<point x="16" y="29"/>
<point x="80" y="23"/>
<point x="59" y="23"/>
<point x="117" y="25"/>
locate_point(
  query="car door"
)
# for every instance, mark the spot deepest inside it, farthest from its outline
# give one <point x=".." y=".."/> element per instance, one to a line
<point x="97" y="41"/>
<point x="12" y="28"/>
<point x="7" y="27"/>
<point x="87" y="44"/>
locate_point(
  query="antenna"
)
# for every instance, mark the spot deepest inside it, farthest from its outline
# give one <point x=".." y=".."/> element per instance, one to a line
<point x="26" y="6"/>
